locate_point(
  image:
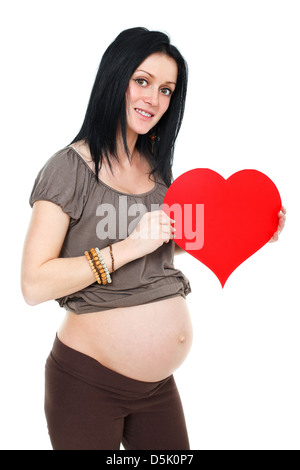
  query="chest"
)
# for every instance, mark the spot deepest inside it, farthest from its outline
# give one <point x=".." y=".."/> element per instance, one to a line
<point x="131" y="181"/>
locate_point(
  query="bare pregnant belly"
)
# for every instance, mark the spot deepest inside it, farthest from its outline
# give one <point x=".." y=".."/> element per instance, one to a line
<point x="145" y="342"/>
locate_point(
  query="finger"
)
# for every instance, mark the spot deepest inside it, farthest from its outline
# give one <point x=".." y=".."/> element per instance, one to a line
<point x="167" y="235"/>
<point x="163" y="217"/>
<point x="161" y="211"/>
<point x="281" y="215"/>
<point x="281" y="224"/>
<point x="167" y="223"/>
<point x="283" y="210"/>
<point x="166" y="231"/>
<point x="168" y="217"/>
<point x="274" y="238"/>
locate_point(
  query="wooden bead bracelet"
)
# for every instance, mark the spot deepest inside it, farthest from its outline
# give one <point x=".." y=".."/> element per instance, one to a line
<point x="98" y="265"/>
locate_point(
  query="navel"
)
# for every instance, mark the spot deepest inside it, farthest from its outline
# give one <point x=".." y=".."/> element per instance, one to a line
<point x="182" y="339"/>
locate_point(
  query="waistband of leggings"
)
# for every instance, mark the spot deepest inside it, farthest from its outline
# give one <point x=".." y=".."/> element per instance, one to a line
<point x="93" y="372"/>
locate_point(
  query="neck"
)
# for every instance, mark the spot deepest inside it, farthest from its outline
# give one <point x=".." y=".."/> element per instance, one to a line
<point x="131" y="138"/>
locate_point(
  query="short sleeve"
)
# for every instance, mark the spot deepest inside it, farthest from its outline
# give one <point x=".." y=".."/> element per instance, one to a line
<point x="64" y="180"/>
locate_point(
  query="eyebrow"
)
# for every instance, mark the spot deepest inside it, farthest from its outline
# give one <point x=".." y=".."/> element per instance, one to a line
<point x="152" y="76"/>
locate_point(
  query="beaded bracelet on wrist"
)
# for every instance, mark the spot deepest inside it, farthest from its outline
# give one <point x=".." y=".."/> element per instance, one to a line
<point x="98" y="266"/>
<point x="112" y="258"/>
<point x="104" y="265"/>
<point x="92" y="266"/>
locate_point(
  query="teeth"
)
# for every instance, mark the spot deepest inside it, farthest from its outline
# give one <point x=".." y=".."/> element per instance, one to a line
<point x="143" y="113"/>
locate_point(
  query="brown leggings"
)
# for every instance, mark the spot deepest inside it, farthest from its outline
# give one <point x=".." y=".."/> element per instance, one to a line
<point x="91" y="407"/>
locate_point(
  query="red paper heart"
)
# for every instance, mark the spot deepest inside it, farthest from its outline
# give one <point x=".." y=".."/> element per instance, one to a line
<point x="240" y="216"/>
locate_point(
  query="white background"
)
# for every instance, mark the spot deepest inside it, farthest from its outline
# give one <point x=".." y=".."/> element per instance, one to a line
<point x="240" y="384"/>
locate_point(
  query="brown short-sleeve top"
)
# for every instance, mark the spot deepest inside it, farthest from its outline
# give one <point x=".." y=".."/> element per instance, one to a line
<point x="100" y="215"/>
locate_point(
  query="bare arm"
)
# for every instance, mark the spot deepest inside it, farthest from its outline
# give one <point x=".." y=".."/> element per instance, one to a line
<point x="45" y="276"/>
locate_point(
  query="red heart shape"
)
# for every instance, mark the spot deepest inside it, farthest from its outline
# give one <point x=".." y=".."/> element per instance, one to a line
<point x="231" y="219"/>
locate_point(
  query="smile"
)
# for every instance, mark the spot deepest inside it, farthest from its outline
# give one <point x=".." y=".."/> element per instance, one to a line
<point x="143" y="113"/>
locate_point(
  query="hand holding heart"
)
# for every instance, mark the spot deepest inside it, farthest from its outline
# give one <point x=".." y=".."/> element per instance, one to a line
<point x="226" y="220"/>
<point x="281" y="224"/>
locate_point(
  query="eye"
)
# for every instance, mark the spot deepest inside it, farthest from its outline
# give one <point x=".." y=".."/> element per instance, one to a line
<point x="141" y="81"/>
<point x="166" y="91"/>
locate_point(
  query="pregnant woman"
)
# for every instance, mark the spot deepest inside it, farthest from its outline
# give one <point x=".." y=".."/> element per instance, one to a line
<point x="100" y="244"/>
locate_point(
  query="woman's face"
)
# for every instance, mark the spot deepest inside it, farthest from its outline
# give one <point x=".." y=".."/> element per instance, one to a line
<point x="149" y="92"/>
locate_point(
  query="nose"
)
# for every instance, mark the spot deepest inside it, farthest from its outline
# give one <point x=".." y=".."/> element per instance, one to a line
<point x="152" y="97"/>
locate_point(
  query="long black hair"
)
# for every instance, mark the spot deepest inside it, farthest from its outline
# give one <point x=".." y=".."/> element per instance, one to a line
<point x="107" y="104"/>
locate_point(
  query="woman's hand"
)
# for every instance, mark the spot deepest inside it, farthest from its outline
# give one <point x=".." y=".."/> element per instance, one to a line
<point x="281" y="224"/>
<point x="152" y="231"/>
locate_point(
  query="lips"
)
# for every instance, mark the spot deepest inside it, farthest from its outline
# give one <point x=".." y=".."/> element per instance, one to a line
<point x="144" y="113"/>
